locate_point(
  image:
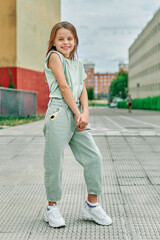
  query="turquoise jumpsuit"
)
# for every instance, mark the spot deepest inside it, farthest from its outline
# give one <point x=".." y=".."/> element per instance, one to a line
<point x="60" y="129"/>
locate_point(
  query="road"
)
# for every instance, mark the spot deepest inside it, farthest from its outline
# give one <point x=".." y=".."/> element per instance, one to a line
<point x="115" y="122"/>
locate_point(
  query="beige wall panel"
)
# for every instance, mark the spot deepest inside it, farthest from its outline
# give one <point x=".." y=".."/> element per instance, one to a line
<point x="8" y="33"/>
<point x="147" y="59"/>
<point x="34" y="22"/>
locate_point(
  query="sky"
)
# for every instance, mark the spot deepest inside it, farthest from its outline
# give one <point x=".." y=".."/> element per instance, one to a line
<point x="107" y="28"/>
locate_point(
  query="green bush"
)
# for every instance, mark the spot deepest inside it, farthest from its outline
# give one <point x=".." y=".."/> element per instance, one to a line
<point x="149" y="103"/>
<point x="122" y="104"/>
<point x="90" y="92"/>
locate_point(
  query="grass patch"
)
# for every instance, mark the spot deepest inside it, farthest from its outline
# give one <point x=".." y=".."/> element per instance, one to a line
<point x="13" y="121"/>
<point x="98" y="103"/>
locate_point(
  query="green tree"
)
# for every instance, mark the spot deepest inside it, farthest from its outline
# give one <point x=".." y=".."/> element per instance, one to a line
<point x="119" y="85"/>
<point x="90" y="92"/>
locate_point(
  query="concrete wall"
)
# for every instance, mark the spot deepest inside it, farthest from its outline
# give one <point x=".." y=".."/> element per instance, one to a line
<point x="34" y="22"/>
<point x="144" y="61"/>
<point x="8" y="33"/>
<point x="25" y="29"/>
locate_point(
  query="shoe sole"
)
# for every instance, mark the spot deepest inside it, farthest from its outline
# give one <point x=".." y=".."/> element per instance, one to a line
<point x="88" y="217"/>
<point x="53" y="225"/>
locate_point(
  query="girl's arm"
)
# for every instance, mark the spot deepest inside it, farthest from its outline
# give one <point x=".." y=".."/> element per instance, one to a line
<point x="83" y="122"/>
<point x="55" y="65"/>
<point x="84" y="99"/>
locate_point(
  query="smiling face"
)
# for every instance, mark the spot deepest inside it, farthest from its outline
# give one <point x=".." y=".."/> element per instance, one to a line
<point x="64" y="42"/>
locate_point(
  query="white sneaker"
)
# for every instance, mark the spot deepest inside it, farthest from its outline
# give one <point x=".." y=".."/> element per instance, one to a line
<point x="96" y="214"/>
<point x="53" y="216"/>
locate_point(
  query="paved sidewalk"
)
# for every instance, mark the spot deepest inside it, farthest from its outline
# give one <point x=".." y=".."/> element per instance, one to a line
<point x="130" y="145"/>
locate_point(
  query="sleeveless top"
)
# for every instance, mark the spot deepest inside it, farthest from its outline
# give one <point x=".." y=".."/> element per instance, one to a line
<point x="74" y="74"/>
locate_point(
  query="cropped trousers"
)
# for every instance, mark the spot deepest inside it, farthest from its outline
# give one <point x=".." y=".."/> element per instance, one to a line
<point x="60" y="129"/>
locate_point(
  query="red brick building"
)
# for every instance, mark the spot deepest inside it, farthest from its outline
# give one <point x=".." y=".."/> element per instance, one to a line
<point x="89" y="69"/>
<point x="102" y="83"/>
<point x="99" y="81"/>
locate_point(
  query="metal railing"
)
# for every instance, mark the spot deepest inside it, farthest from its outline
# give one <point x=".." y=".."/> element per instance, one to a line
<point x="17" y="102"/>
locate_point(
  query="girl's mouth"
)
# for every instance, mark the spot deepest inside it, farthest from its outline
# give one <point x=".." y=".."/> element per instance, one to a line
<point x="65" y="48"/>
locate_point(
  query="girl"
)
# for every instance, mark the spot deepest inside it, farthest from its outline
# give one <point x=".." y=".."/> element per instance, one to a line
<point x="66" y="122"/>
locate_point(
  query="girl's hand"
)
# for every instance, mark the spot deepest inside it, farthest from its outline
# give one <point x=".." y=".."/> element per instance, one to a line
<point x="82" y="121"/>
<point x="78" y="118"/>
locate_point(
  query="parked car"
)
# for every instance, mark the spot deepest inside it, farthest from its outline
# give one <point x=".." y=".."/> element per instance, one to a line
<point x="112" y="104"/>
<point x="115" y="101"/>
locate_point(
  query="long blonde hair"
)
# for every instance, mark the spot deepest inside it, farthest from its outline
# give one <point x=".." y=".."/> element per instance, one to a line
<point x="54" y="30"/>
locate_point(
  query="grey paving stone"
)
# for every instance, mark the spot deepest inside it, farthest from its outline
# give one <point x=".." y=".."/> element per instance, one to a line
<point x="131" y="190"/>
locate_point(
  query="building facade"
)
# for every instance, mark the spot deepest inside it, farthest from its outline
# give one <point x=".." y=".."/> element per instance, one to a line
<point x="144" y="61"/>
<point x="123" y="67"/>
<point x="100" y="82"/>
<point x="89" y="69"/>
<point x="25" y="30"/>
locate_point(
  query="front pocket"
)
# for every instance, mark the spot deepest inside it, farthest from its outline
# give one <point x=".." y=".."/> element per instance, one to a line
<point x="52" y="113"/>
<point x="53" y="116"/>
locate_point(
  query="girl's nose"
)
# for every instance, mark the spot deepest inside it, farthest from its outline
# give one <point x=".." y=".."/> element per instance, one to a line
<point x="65" y="41"/>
